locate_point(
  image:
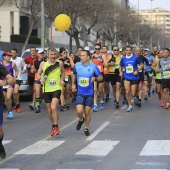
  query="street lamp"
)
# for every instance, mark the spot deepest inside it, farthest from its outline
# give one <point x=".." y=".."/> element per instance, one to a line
<point x="151" y="24"/>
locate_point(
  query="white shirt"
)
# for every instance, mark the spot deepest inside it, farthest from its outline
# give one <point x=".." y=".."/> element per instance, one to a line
<point x="20" y="65"/>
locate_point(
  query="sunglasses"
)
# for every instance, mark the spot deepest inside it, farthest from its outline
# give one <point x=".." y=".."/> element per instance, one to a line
<point x="97" y="48"/>
<point x="116" y="50"/>
<point x="65" y="52"/>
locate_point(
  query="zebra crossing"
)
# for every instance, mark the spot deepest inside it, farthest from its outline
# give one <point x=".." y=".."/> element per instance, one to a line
<point x="101" y="149"/>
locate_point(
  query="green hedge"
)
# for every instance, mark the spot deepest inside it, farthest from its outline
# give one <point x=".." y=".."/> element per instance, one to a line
<point x="21" y="39"/>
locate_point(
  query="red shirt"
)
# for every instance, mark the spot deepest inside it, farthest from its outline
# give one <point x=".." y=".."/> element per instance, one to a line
<point x="30" y="60"/>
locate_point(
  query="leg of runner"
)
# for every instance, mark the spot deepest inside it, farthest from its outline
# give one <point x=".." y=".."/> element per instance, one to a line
<point x="80" y="112"/>
<point x="117" y="94"/>
<point x="107" y="91"/>
<point x="16" y="98"/>
<point x="146" y="90"/>
<point x="127" y="90"/>
<point x="67" y="91"/>
<point x="95" y="109"/>
<point x="8" y="102"/>
<point x="140" y="91"/>
<point x="38" y="99"/>
<point x="166" y="96"/>
<point x="101" y="93"/>
<point x="62" y="108"/>
<point x="87" y="120"/>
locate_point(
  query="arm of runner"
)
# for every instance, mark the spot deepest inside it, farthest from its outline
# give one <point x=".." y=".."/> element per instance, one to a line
<point x="39" y="72"/>
<point x="104" y="61"/>
<point x="97" y="74"/>
<point x="16" y="69"/>
<point x="71" y="62"/>
<point x="24" y="67"/>
<point x="62" y="73"/>
<point x="73" y="87"/>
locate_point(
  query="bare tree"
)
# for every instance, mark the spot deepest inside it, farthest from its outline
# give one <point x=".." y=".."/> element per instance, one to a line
<point x="2" y="2"/>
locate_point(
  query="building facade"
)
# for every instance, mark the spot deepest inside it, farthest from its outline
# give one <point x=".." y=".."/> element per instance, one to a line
<point x="157" y="17"/>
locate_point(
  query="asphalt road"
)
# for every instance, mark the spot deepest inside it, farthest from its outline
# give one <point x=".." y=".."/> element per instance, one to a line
<point x="118" y="141"/>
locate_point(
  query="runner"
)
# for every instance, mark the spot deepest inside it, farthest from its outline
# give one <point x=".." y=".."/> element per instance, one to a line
<point x="37" y="83"/>
<point x="148" y="74"/>
<point x="155" y="67"/>
<point x="29" y="60"/>
<point x="8" y="90"/>
<point x="83" y="72"/>
<point x="99" y="60"/>
<point x="139" y="90"/>
<point x="130" y="73"/>
<point x="9" y="80"/>
<point x="66" y="90"/>
<point x="114" y="74"/>
<point x="51" y="75"/>
<point x="164" y="65"/>
<point x="21" y="68"/>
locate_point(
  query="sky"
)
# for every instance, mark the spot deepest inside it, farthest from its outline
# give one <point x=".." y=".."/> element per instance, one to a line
<point x="146" y="4"/>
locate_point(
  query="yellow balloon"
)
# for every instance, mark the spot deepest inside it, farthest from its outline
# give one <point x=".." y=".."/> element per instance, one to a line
<point x="62" y="22"/>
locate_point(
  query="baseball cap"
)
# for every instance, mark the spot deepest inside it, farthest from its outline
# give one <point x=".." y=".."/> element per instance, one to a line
<point x="62" y="49"/>
<point x="146" y="49"/>
<point x="87" y="48"/>
<point x="7" y="53"/>
<point x="41" y="52"/>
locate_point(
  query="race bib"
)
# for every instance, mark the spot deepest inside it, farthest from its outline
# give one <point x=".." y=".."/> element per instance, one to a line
<point x="150" y="74"/>
<point x="129" y="69"/>
<point x="53" y="83"/>
<point x="111" y="69"/>
<point x="6" y="86"/>
<point x="116" y="65"/>
<point x="83" y="81"/>
<point x="166" y="74"/>
<point x="66" y="78"/>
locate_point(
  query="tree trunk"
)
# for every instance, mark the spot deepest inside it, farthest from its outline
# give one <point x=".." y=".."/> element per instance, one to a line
<point x="28" y="36"/>
<point x="1" y="2"/>
<point x="77" y="39"/>
<point x="70" y="43"/>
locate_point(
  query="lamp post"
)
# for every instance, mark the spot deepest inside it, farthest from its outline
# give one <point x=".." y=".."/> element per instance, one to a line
<point x="42" y="25"/>
<point x="151" y="24"/>
<point x="138" y="27"/>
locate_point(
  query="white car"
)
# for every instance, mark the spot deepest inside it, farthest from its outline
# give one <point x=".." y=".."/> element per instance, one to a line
<point x="24" y="89"/>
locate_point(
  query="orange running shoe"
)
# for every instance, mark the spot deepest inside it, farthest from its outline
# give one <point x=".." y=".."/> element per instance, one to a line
<point x="57" y="131"/>
<point x="162" y="104"/>
<point x="18" y="110"/>
<point x="53" y="131"/>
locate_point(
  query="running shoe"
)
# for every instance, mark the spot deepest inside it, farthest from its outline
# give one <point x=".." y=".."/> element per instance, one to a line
<point x="139" y="104"/>
<point x="136" y="101"/>
<point x="107" y="98"/>
<point x="79" y="124"/>
<point x="86" y="132"/>
<point x="37" y="110"/>
<point x="31" y="106"/>
<point x="17" y="110"/>
<point x="95" y="108"/>
<point x="2" y="151"/>
<point x="101" y="106"/>
<point x="129" y="109"/>
<point x="10" y="115"/>
<point x="146" y="97"/>
<point x="117" y="104"/>
<point x="153" y="90"/>
<point x="67" y="106"/>
<point x="62" y="108"/>
<point x="55" y="131"/>
<point x="162" y="104"/>
<point x="149" y="94"/>
<point x="167" y="106"/>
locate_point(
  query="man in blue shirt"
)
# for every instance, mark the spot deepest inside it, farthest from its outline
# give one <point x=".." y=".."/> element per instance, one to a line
<point x="85" y="73"/>
<point x="132" y="65"/>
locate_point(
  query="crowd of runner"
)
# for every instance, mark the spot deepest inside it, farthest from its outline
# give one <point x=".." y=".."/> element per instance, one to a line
<point x="84" y="77"/>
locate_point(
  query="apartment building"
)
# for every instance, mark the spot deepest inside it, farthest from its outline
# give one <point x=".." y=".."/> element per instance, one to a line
<point x="157" y="17"/>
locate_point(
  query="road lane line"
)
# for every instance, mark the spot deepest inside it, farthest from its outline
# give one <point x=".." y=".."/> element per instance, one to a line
<point x="98" y="148"/>
<point x="74" y="169"/>
<point x="93" y="135"/>
<point x="7" y="169"/>
<point x="156" y="148"/>
<point x="14" y="155"/>
<point x="4" y="142"/>
<point x="39" y="148"/>
<point x="148" y="169"/>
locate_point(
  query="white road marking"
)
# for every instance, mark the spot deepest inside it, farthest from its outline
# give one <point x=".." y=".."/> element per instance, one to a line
<point x="124" y="106"/>
<point x="148" y="169"/>
<point x="156" y="147"/>
<point x="93" y="135"/>
<point x="98" y="148"/>
<point x="40" y="147"/>
<point x="151" y="164"/>
<point x="7" y="169"/>
<point x="74" y="169"/>
<point x="4" y="142"/>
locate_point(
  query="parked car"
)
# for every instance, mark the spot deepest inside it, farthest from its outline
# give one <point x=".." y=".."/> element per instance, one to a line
<point x="24" y="89"/>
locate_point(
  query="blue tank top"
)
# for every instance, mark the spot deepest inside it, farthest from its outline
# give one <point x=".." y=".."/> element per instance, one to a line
<point x="9" y="68"/>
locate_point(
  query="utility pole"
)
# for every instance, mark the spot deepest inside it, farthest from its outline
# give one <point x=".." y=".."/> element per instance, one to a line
<point x="42" y="25"/>
<point x="138" y="27"/>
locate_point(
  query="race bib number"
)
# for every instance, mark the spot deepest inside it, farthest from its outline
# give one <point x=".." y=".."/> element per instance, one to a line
<point x="6" y="86"/>
<point x="53" y="83"/>
<point x="66" y="78"/>
<point x="83" y="81"/>
<point x="166" y="74"/>
<point x="116" y="65"/>
<point x="150" y="74"/>
<point x="129" y="69"/>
